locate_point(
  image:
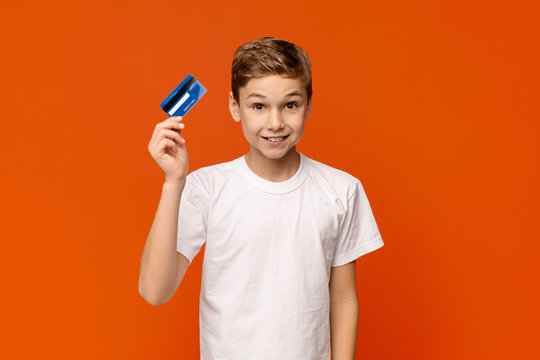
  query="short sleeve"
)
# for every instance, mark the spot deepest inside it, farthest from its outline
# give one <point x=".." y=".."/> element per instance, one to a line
<point x="192" y="219"/>
<point x="358" y="231"/>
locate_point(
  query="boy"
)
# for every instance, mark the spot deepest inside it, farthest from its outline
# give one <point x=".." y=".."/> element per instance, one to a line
<point x="282" y="231"/>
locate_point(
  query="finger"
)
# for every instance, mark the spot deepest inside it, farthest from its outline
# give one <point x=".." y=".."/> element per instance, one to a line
<point x="173" y="125"/>
<point x="159" y="126"/>
<point x="167" y="143"/>
<point x="171" y="122"/>
<point x="177" y="127"/>
<point x="176" y="118"/>
<point x="176" y="135"/>
<point x="170" y="134"/>
<point x="180" y="141"/>
<point x="172" y="118"/>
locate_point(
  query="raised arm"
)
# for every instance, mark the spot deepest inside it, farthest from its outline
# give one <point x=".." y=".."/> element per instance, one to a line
<point x="162" y="267"/>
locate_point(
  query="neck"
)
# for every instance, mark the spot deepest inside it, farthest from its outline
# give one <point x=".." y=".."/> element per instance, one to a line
<point x="276" y="170"/>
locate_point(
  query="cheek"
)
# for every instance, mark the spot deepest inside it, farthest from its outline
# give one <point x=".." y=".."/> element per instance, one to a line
<point x="298" y="125"/>
<point x="250" y="128"/>
<point x="300" y="132"/>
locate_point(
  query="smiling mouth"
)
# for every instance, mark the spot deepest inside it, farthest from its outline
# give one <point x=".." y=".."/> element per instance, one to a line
<point x="276" y="139"/>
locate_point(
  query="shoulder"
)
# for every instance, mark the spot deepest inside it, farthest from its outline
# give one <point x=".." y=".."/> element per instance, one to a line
<point x="207" y="176"/>
<point x="339" y="182"/>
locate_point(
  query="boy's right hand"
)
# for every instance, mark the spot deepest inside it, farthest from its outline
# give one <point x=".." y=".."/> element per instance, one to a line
<point x="168" y="148"/>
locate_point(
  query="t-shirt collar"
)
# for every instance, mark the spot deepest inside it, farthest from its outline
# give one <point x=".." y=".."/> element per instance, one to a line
<point x="272" y="187"/>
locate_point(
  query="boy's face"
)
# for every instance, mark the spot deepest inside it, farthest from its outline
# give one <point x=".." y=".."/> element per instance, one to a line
<point x="271" y="107"/>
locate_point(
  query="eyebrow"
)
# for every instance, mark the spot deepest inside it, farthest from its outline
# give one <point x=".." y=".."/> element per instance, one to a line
<point x="294" y="93"/>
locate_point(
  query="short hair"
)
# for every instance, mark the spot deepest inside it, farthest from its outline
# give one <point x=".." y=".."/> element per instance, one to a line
<point x="270" y="55"/>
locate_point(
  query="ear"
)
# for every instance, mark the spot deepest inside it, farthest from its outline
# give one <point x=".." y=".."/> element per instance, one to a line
<point x="234" y="108"/>
<point x="308" y="111"/>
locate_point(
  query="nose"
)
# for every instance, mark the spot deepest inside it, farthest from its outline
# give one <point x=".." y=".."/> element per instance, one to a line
<point x="275" y="121"/>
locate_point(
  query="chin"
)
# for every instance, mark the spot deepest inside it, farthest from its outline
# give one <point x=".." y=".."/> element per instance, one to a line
<point x="272" y="154"/>
<point x="276" y="154"/>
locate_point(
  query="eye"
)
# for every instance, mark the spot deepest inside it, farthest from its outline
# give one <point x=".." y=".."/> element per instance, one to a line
<point x="291" y="105"/>
<point x="257" y="106"/>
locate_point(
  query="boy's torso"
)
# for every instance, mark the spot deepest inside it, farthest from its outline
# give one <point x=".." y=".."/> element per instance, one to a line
<point x="268" y="255"/>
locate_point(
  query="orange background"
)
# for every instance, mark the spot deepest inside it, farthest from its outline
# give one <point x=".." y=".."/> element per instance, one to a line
<point x="433" y="105"/>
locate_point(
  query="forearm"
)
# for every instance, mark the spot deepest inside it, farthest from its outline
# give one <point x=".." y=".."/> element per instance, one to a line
<point x="344" y="329"/>
<point x="159" y="259"/>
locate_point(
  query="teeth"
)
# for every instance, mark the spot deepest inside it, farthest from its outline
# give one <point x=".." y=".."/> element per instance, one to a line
<point x="275" y="139"/>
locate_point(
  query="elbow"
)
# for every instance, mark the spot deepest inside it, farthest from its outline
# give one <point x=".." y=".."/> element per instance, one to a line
<point x="152" y="299"/>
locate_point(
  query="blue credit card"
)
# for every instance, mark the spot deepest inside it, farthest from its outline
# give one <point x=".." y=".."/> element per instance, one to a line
<point x="183" y="97"/>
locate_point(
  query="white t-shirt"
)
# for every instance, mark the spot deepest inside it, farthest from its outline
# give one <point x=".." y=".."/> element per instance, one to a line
<point x="269" y="251"/>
